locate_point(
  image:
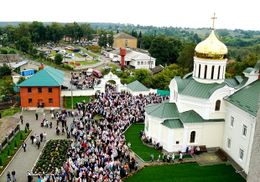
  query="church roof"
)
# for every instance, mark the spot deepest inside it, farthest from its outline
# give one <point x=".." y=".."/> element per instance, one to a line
<point x="174" y="119"/>
<point x="192" y="117"/>
<point x="247" y="98"/>
<point x="163" y="110"/>
<point x="191" y="87"/>
<point x="172" y="123"/>
<point x="44" y="78"/>
<point x="137" y="86"/>
<point x="123" y="35"/>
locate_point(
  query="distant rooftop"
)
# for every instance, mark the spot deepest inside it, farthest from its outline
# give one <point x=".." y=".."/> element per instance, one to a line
<point x="123" y="35"/>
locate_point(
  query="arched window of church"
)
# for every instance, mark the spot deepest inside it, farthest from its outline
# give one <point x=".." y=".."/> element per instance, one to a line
<point x="212" y="72"/>
<point x="199" y="71"/>
<point x="218" y="72"/>
<point x="205" y="73"/>
<point x="192" y="136"/>
<point x="217" y="105"/>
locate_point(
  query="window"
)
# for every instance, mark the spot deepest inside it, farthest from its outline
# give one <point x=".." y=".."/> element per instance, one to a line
<point x="29" y="90"/>
<point x="217" y="105"/>
<point x="232" y="119"/>
<point x="241" y="154"/>
<point x="50" y="100"/>
<point x="229" y="143"/>
<point x="199" y="71"/>
<point x="244" y="131"/>
<point x="29" y="101"/>
<point x="138" y="62"/>
<point x="205" y="71"/>
<point x="218" y="72"/>
<point x="212" y="72"/>
<point x="39" y="90"/>
<point x="192" y="136"/>
<point x="50" y="90"/>
<point x="177" y="142"/>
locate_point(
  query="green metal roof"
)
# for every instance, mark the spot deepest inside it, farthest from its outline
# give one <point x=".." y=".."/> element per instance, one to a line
<point x="192" y="117"/>
<point x="46" y="77"/>
<point x="137" y="86"/>
<point x="163" y="92"/>
<point x="193" y="88"/>
<point x="163" y="110"/>
<point x="247" y="98"/>
<point x="248" y="70"/>
<point x="172" y="123"/>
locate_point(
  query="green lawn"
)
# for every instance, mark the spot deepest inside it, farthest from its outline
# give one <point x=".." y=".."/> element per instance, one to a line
<point x="143" y="151"/>
<point x="132" y="136"/>
<point x="189" y="172"/>
<point x="75" y="100"/>
<point x="10" y="111"/>
<point x="88" y="62"/>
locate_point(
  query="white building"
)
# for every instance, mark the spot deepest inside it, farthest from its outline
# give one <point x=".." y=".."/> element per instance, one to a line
<point x="202" y="104"/>
<point x="137" y="60"/>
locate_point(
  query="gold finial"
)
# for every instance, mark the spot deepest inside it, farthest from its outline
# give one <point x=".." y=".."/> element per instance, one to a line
<point x="213" y="21"/>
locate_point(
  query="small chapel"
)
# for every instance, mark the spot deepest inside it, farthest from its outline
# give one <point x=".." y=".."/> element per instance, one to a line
<point x="199" y="106"/>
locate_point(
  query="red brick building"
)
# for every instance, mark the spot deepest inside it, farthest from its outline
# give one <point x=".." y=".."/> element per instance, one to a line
<point x="42" y="90"/>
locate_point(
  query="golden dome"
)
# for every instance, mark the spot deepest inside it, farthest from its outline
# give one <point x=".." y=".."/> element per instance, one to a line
<point x="211" y="48"/>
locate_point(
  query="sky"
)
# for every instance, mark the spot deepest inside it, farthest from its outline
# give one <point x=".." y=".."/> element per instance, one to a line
<point x="231" y="14"/>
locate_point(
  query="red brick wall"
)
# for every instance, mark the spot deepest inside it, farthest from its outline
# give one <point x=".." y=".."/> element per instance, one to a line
<point x="36" y="96"/>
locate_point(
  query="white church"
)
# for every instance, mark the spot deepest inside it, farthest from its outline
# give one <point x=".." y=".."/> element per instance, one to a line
<point x="206" y="109"/>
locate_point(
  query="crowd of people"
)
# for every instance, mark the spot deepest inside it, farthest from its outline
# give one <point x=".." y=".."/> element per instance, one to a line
<point x="99" y="151"/>
<point x="83" y="81"/>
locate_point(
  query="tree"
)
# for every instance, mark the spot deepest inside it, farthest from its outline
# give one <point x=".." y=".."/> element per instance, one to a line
<point x="165" y="50"/>
<point x="110" y="39"/>
<point x="87" y="31"/>
<point x="143" y="76"/>
<point x="37" y="31"/>
<point x="185" y="59"/>
<point x="24" y="44"/>
<point x="139" y="40"/>
<point x="54" y="32"/>
<point x="5" y="70"/>
<point x="58" y="58"/>
<point x="21" y="79"/>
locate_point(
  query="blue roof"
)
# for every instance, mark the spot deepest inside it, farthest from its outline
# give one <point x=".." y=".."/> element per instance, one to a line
<point x="48" y="77"/>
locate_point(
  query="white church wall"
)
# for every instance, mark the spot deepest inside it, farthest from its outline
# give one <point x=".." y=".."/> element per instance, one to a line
<point x="164" y="135"/>
<point x="234" y="132"/>
<point x="204" y="107"/>
<point x="201" y="106"/>
<point x="209" y="134"/>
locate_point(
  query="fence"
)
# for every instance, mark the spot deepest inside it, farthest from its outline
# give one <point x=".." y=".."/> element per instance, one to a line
<point x="8" y="138"/>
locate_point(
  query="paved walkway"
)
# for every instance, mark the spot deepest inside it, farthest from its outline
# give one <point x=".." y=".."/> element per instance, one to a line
<point x="24" y="161"/>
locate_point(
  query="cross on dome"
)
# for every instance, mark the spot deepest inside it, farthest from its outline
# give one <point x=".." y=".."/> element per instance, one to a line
<point x="213" y="21"/>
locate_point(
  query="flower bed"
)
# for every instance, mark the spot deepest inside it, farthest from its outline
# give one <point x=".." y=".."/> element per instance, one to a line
<point x="53" y="156"/>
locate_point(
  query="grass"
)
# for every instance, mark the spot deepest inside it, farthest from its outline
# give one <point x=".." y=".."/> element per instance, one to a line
<point x="75" y="100"/>
<point x="88" y="62"/>
<point x="10" y="111"/>
<point x="9" y="151"/>
<point x="189" y="172"/>
<point x="143" y="151"/>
